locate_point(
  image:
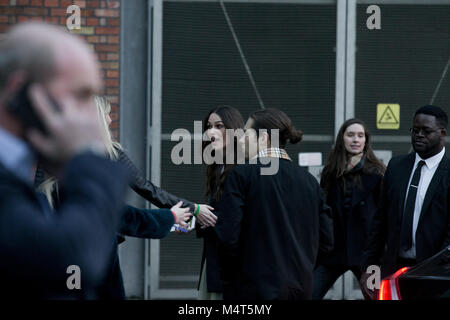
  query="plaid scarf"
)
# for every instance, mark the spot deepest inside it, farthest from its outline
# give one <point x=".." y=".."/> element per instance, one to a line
<point x="273" y="153"/>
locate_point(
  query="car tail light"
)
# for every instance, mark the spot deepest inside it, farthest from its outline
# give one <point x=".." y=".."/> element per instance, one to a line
<point x="389" y="289"/>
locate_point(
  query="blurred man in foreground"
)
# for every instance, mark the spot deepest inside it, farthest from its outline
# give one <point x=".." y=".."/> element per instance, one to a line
<point x="47" y="81"/>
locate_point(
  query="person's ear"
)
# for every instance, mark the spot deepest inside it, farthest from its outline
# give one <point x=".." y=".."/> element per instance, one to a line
<point x="14" y="83"/>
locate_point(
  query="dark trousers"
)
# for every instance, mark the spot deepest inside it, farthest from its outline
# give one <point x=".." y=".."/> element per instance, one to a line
<point x="326" y="275"/>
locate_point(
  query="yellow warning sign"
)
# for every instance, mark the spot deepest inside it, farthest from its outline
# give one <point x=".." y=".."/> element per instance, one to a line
<point x="388" y="116"/>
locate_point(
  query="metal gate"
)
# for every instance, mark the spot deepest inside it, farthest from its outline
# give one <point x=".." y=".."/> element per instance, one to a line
<point x="316" y="60"/>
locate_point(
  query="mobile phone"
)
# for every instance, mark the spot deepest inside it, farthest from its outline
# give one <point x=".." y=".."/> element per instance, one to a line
<point x="20" y="106"/>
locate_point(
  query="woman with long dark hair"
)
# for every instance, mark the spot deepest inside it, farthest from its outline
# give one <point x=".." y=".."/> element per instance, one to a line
<point x="215" y="125"/>
<point x="352" y="180"/>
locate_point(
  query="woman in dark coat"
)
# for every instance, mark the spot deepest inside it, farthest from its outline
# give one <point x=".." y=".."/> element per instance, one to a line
<point x="214" y="125"/>
<point x="352" y="180"/>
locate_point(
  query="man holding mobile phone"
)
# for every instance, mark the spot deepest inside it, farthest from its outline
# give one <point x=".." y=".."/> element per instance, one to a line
<point x="61" y="76"/>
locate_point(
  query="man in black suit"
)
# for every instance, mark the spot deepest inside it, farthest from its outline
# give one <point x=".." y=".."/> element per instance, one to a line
<point x="41" y="250"/>
<point x="271" y="226"/>
<point x="413" y="220"/>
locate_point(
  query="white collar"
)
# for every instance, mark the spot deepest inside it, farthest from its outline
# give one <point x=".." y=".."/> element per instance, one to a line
<point x="432" y="161"/>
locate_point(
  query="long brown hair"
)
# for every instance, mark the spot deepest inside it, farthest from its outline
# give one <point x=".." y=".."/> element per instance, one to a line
<point x="215" y="178"/>
<point x="337" y="160"/>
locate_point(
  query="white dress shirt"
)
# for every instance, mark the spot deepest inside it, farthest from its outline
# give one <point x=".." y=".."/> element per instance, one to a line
<point x="426" y="174"/>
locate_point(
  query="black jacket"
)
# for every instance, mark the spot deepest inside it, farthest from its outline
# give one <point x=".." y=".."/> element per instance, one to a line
<point x="135" y="222"/>
<point x="269" y="229"/>
<point x="37" y="247"/>
<point x="433" y="230"/>
<point x="147" y="190"/>
<point x="140" y="223"/>
<point x="353" y="210"/>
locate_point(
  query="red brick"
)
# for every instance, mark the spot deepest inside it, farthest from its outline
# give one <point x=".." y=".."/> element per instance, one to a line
<point x="107" y="48"/>
<point x="35" y="11"/>
<point x="4" y="3"/>
<point x="66" y="3"/>
<point x="52" y="20"/>
<point x="111" y="82"/>
<point x="51" y="3"/>
<point x="37" y="18"/>
<point x="102" y="30"/>
<point x="107" y="13"/>
<point x="113" y="4"/>
<point x="58" y="12"/>
<point x="92" y="21"/>
<point x="23" y="2"/>
<point x="113" y="22"/>
<point x="112" y="56"/>
<point x="87" y="13"/>
<point x="111" y="91"/>
<point x="110" y="65"/>
<point x="23" y="18"/>
<point x="92" y="39"/>
<point x="4" y="19"/>
<point x="13" y="19"/>
<point x="114" y="39"/>
<point x="36" y="3"/>
<point x="80" y="3"/>
<point x="5" y="27"/>
<point x="12" y="10"/>
<point x="93" y="4"/>
<point x="112" y="74"/>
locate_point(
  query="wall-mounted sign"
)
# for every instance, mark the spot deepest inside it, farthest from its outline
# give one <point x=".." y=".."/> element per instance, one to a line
<point x="388" y="116"/>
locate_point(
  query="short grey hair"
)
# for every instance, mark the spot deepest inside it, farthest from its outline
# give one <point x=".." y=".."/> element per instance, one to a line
<point x="21" y="53"/>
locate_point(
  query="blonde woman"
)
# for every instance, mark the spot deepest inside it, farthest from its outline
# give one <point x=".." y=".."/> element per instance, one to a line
<point x="135" y="222"/>
<point x="142" y="186"/>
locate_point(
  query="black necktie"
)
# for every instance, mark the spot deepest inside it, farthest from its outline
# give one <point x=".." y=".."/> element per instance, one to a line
<point x="408" y="213"/>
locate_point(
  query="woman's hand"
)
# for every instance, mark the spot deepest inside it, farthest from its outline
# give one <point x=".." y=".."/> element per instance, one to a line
<point x="205" y="216"/>
<point x="182" y="214"/>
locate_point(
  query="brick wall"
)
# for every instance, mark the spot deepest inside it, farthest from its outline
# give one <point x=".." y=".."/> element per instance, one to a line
<point x="100" y="26"/>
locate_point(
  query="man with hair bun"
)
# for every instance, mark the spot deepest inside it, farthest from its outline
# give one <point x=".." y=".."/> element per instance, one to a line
<point x="271" y="226"/>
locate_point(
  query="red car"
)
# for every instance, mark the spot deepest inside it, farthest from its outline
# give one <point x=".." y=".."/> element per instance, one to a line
<point x="428" y="280"/>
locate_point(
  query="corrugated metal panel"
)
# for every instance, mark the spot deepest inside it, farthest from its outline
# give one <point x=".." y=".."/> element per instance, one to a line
<point x="290" y="49"/>
<point x="402" y="63"/>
